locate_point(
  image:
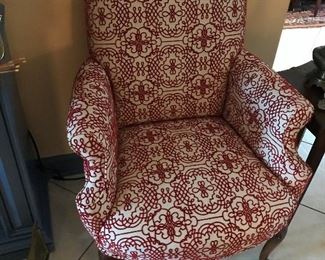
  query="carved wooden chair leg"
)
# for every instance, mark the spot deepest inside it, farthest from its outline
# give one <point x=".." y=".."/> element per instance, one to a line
<point x="272" y="244"/>
<point x="104" y="257"/>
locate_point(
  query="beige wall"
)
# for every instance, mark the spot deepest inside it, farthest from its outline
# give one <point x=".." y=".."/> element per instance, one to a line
<point x="265" y="20"/>
<point x="51" y="35"/>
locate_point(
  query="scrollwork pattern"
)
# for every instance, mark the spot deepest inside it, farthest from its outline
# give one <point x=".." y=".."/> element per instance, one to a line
<point x="188" y="140"/>
<point x="268" y="113"/>
<point x="183" y="48"/>
<point x="92" y="134"/>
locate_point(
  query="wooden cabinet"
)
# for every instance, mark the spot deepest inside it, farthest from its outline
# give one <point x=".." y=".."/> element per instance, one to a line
<point x="23" y="188"/>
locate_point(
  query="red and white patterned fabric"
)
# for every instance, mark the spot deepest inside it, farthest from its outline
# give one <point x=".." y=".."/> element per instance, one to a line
<point x="191" y="189"/>
<point x="92" y="134"/>
<point x="188" y="141"/>
<point x="268" y="113"/>
<point x="167" y="59"/>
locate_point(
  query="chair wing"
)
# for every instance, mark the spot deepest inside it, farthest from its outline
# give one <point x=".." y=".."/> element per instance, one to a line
<point x="268" y="113"/>
<point x="92" y="134"/>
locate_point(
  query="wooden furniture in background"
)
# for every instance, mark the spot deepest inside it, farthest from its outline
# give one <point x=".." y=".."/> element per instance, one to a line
<point x="295" y="3"/>
<point x="317" y="7"/>
<point x="23" y="188"/>
<point x="298" y="76"/>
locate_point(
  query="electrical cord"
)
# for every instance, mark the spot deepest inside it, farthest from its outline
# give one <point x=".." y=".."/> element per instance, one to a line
<point x="53" y="173"/>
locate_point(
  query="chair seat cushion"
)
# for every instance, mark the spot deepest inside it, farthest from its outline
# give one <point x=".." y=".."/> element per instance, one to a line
<point x="191" y="189"/>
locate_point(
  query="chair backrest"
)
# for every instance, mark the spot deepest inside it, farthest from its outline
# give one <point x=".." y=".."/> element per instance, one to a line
<point x="166" y="59"/>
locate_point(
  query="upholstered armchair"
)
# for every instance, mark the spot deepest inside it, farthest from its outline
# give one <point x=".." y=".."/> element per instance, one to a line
<point x="189" y="142"/>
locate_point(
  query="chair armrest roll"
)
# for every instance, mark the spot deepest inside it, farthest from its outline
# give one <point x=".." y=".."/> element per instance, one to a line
<point x="268" y="113"/>
<point x="92" y="134"/>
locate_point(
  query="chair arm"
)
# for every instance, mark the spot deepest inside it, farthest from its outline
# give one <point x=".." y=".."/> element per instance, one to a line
<point x="268" y="113"/>
<point x="92" y="134"/>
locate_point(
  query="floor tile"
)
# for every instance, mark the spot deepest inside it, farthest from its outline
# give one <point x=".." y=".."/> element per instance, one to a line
<point x="251" y="254"/>
<point x="306" y="224"/>
<point x="304" y="149"/>
<point x="74" y="186"/>
<point x="305" y="239"/>
<point x="315" y="194"/>
<point x="308" y="137"/>
<point x="91" y="253"/>
<point x="70" y="237"/>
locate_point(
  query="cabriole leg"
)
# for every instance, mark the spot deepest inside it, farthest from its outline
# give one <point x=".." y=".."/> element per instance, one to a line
<point x="272" y="244"/>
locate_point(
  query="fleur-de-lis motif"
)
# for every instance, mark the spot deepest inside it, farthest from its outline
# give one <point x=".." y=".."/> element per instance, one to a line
<point x="102" y="16"/>
<point x="170" y="225"/>
<point x="204" y="38"/>
<point x="172" y="13"/>
<point x="139" y="42"/>
<point x="203" y="189"/>
<point x="203" y="86"/>
<point x="127" y="201"/>
<point x="247" y="211"/>
<point x="228" y="161"/>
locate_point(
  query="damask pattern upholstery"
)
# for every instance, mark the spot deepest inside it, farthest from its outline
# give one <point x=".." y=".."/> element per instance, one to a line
<point x="188" y="140"/>
<point x="167" y="59"/>
<point x="191" y="189"/>
<point x="92" y="134"/>
<point x="268" y="113"/>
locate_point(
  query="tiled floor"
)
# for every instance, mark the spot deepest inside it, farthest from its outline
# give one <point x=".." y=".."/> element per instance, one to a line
<point x="305" y="239"/>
